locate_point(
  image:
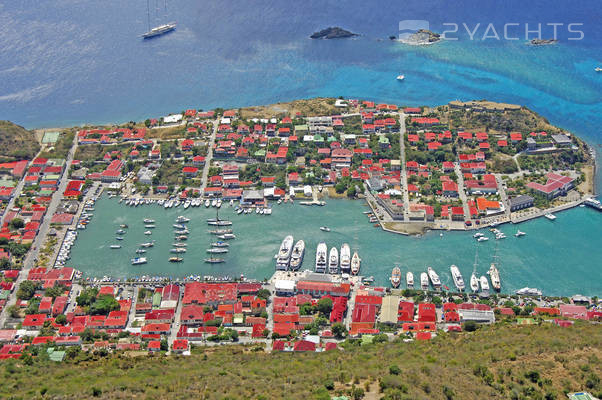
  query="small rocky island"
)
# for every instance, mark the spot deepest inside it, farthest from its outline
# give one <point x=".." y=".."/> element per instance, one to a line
<point x="541" y="42"/>
<point x="333" y="32"/>
<point x="421" y="37"/>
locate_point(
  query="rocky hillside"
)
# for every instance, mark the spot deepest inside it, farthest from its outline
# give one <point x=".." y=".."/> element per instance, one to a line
<point x="16" y="142"/>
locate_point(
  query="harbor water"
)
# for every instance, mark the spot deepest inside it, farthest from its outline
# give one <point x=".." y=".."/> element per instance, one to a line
<point x="559" y="257"/>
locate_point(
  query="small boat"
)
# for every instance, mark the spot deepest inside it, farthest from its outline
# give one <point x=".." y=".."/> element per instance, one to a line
<point x="179" y="226"/>
<point x="240" y="211"/>
<point x="345" y="258"/>
<point x="219" y="203"/>
<point x="180" y="245"/>
<point x="434" y="278"/>
<point x="355" y="263"/>
<point x="267" y="211"/>
<point x="217" y="250"/>
<point x="186" y="204"/>
<point x="119" y="238"/>
<point x="410" y="280"/>
<point x="213" y="260"/>
<point x="220" y="223"/>
<point x="227" y="236"/>
<point x="220" y="244"/>
<point x="257" y="210"/>
<point x="123" y="226"/>
<point x="178" y="250"/>
<point x="477" y="235"/>
<point x="598" y="69"/>
<point x="214" y="203"/>
<point x="526" y="291"/>
<point x="297" y="255"/>
<point x="148" y="232"/>
<point x="207" y="203"/>
<point x="457" y="277"/>
<point x="120" y="232"/>
<point x="424" y="281"/>
<point x="482" y="239"/>
<point x="182" y="237"/>
<point x="321" y="257"/>
<point x="474" y="283"/>
<point x="400" y="77"/>
<point x="148" y="244"/>
<point x="220" y="231"/>
<point x="325" y="229"/>
<point x="494" y="275"/>
<point x="148" y="221"/>
<point x="175" y="259"/>
<point x="151" y="226"/>
<point x="138" y="260"/>
<point x="551" y="217"/>
<point x="369" y="279"/>
<point x="484" y="284"/>
<point x="333" y="261"/>
<point x="182" y="219"/>
<point x="159" y="30"/>
<point x="140" y="251"/>
<point x="115" y="246"/>
<point x="395" y="277"/>
<point x="231" y="202"/>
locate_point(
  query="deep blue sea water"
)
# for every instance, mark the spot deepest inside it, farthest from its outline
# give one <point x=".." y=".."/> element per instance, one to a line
<point x="69" y="62"/>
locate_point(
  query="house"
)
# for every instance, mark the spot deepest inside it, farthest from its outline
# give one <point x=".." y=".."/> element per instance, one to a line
<point x="190" y="172"/>
<point x="556" y="185"/>
<point x="450" y="189"/>
<point x="520" y="202"/>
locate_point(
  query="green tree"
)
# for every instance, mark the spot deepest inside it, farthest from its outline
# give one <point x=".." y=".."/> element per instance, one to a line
<point x="339" y="330"/>
<point x="4" y="263"/>
<point x="61" y="319"/>
<point x="54" y="291"/>
<point x="263" y="294"/>
<point x="325" y="305"/>
<point x="86" y="297"/>
<point x="103" y="305"/>
<point x="26" y="290"/>
<point x="470" y="326"/>
<point x="17" y="223"/>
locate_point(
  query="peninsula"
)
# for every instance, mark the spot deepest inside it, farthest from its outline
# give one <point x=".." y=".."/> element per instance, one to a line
<point x="333" y="33"/>
<point x="455" y="166"/>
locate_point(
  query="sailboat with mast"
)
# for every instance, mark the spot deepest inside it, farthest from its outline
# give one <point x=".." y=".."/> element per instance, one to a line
<point x="474" y="281"/>
<point x="157" y="30"/>
<point x="494" y="274"/>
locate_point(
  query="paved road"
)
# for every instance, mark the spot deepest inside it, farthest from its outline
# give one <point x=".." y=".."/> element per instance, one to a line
<point x="32" y="255"/>
<point x="461" y="191"/>
<point x="209" y="157"/>
<point x="503" y="195"/>
<point x="175" y="326"/>
<point x="404" y="172"/>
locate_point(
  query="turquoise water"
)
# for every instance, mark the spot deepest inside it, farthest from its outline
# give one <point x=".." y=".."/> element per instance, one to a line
<point x="553" y="256"/>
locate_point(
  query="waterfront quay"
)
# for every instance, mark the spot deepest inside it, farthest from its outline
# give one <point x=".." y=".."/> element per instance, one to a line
<point x="292" y="311"/>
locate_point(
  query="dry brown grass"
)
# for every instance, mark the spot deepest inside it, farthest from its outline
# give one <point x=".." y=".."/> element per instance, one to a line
<point x="310" y="107"/>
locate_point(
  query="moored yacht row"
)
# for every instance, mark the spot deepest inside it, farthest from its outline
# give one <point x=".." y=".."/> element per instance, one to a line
<point x="290" y="257"/>
<point x="430" y="278"/>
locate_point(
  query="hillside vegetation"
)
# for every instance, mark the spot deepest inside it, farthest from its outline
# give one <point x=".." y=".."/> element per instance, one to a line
<point x="498" y="362"/>
<point x="16" y="142"/>
<point x="309" y="108"/>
